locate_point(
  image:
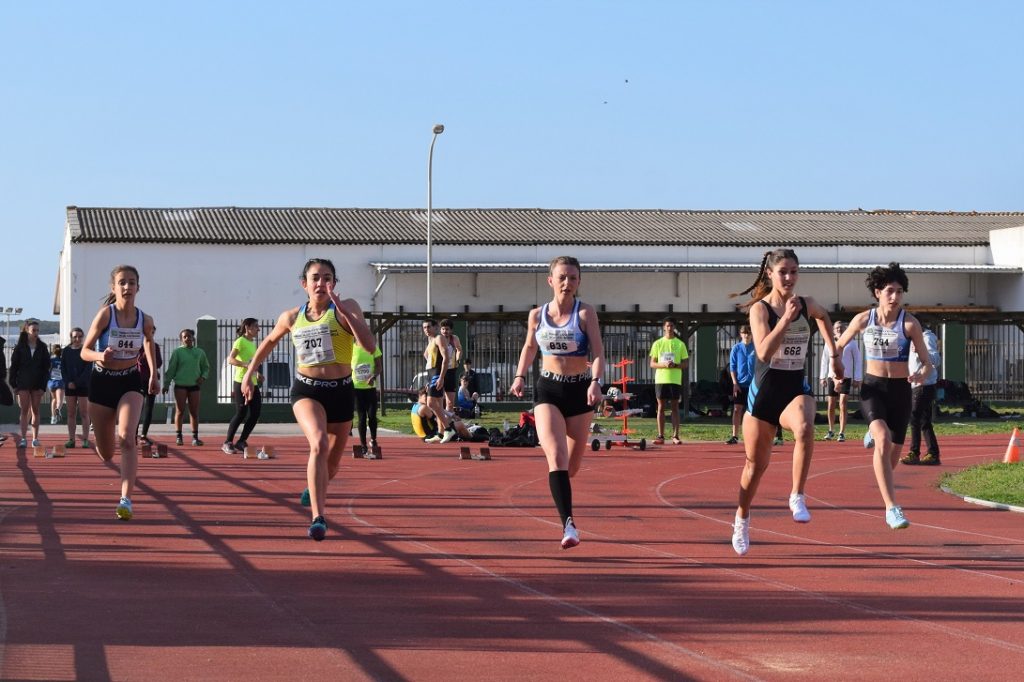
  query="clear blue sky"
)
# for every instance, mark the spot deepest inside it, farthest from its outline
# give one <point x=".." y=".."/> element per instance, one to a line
<point x="571" y="104"/>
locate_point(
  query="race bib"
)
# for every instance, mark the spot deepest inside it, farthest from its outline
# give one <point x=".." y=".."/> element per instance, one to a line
<point x="313" y="345"/>
<point x="791" y="354"/>
<point x="883" y="343"/>
<point x="55" y="374"/>
<point x="668" y="357"/>
<point x="126" y="343"/>
<point x="558" y="341"/>
<point x="362" y="373"/>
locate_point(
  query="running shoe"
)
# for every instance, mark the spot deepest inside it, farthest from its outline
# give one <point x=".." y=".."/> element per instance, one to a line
<point x="304" y="498"/>
<point x="930" y="459"/>
<point x="53" y="418"/>
<point x="70" y="444"/>
<point x="318" y="529"/>
<point x="178" y="440"/>
<point x="241" y="445"/>
<point x="23" y="443"/>
<point x="733" y="440"/>
<point x="911" y="458"/>
<point x="777" y="441"/>
<point x="433" y="439"/>
<point x="36" y="443"/>
<point x="660" y="440"/>
<point x="86" y="443"/>
<point x="676" y="440"/>
<point x="124" y="509"/>
<point x="571" y="537"/>
<point x="146" y="440"/>
<point x="869" y="442"/>
<point x="197" y="443"/>
<point x="895" y="518"/>
<point x="841" y="438"/>
<point x="798" y="506"/>
<point x="741" y="535"/>
<point x="449" y="435"/>
<point x="829" y="436"/>
<point x="228" y="448"/>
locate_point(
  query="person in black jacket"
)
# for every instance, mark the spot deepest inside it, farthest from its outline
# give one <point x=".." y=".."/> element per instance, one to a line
<point x="30" y="370"/>
<point x="76" y="374"/>
<point x="6" y="397"/>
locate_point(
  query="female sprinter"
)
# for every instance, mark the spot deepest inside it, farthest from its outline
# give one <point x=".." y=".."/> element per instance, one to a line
<point x="322" y="397"/>
<point x="119" y="333"/>
<point x="780" y="322"/>
<point x="885" y="395"/>
<point x="565" y="331"/>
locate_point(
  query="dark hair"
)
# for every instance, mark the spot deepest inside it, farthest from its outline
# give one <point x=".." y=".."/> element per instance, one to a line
<point x="745" y="329"/>
<point x="762" y="286"/>
<point x="245" y="323"/>
<point x="79" y="330"/>
<point x="880" y="277"/>
<point x="467" y="361"/>
<point x="111" y="297"/>
<point x="55" y="349"/>
<point x="318" y="261"/>
<point x="670" y="320"/>
<point x="446" y="323"/>
<point x="190" y="332"/>
<point x="431" y="321"/>
<point x="23" y="336"/>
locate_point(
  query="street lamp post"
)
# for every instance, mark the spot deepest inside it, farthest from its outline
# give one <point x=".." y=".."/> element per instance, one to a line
<point x="438" y="129"/>
<point x="8" y="312"/>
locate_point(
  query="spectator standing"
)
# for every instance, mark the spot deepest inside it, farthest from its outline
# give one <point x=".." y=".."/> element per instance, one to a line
<point x="30" y="370"/>
<point x="741" y="369"/>
<point x="76" y="373"/>
<point x="247" y="412"/>
<point x="839" y="391"/>
<point x="188" y="368"/>
<point x="366" y="367"/>
<point x="922" y="401"/>
<point x="669" y="359"/>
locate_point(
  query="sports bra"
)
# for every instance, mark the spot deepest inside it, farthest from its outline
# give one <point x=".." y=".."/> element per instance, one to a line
<point x="126" y="341"/>
<point x="885" y="344"/>
<point x="568" y="340"/>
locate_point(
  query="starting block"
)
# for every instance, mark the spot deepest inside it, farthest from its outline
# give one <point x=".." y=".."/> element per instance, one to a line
<point x="265" y="452"/>
<point x="466" y="453"/>
<point x="158" y="452"/>
<point x="373" y="452"/>
<point x="48" y="452"/>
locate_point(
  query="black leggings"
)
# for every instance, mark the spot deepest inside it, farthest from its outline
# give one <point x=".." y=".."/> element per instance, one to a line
<point x="244" y="412"/>
<point x="366" y="406"/>
<point x="147" y="412"/>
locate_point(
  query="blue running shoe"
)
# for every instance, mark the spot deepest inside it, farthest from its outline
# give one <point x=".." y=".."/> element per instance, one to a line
<point x="124" y="509"/>
<point x="304" y="498"/>
<point x="318" y="529"/>
<point x="895" y="518"/>
<point x="869" y="442"/>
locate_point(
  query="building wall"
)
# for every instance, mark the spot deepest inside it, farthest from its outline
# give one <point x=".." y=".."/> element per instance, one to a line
<point x="182" y="282"/>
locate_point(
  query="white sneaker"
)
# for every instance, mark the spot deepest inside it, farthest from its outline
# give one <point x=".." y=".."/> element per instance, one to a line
<point x="36" y="443"/>
<point x="449" y="435"/>
<point x="798" y="506"/>
<point x="433" y="439"/>
<point x="53" y="418"/>
<point x="571" y="538"/>
<point x="741" y="535"/>
<point x="869" y="442"/>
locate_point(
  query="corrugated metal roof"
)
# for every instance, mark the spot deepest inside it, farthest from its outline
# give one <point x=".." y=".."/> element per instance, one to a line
<point x="499" y="226"/>
<point x="857" y="268"/>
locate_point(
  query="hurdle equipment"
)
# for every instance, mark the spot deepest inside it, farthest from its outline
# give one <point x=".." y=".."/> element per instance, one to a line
<point x="265" y="452"/>
<point x="48" y="452"/>
<point x="154" y="451"/>
<point x="624" y="442"/>
<point x="1012" y="455"/>
<point x="465" y="452"/>
<point x="373" y="452"/>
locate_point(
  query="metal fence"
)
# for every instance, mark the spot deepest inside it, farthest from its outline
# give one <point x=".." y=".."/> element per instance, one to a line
<point x="994" y="356"/>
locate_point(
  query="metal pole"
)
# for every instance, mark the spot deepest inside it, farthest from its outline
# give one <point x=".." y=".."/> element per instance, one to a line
<point x="438" y="129"/>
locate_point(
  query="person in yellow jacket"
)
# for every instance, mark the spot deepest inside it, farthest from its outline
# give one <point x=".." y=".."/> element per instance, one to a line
<point x="188" y="369"/>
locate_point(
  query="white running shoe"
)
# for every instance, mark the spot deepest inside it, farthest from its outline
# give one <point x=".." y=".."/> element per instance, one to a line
<point x="571" y="538"/>
<point x="741" y="535"/>
<point x="798" y="506"/>
<point x="449" y="435"/>
<point x="433" y="439"/>
<point x="124" y="509"/>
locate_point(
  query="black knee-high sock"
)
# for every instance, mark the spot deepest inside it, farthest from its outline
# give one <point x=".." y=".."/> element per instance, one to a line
<point x="561" y="491"/>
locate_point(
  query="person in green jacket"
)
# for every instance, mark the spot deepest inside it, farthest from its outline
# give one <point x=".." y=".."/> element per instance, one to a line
<point x="188" y="369"/>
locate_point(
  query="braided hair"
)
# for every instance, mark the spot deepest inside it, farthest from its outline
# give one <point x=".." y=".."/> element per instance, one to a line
<point x="762" y="286"/>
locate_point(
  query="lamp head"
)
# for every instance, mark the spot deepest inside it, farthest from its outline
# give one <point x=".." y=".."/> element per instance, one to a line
<point x="438" y="129"/>
<point x="17" y="311"/>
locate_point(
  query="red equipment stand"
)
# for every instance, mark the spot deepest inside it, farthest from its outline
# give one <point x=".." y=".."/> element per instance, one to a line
<point x="610" y="410"/>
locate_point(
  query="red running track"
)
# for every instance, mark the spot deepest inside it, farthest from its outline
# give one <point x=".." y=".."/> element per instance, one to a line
<point x="439" y="569"/>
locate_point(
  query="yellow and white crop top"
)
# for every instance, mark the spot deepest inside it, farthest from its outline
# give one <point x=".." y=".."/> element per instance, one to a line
<point x="320" y="343"/>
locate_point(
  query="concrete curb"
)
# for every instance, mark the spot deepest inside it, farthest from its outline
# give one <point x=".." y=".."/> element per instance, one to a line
<point x="984" y="503"/>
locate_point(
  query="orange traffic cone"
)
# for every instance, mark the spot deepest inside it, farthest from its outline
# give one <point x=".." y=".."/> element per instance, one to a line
<point x="1013" y="449"/>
